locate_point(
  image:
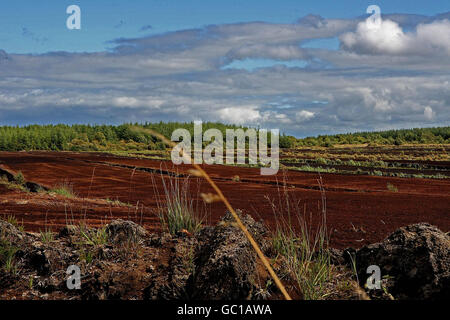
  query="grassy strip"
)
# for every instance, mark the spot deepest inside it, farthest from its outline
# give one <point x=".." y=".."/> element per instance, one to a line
<point x="307" y="168"/>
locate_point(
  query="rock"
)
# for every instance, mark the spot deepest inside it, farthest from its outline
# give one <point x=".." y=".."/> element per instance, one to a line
<point x="10" y="232"/>
<point x="416" y="259"/>
<point x="257" y="229"/>
<point x="47" y="285"/>
<point x="225" y="260"/>
<point x="37" y="259"/>
<point x="120" y="231"/>
<point x="337" y="257"/>
<point x="172" y="281"/>
<point x="159" y="240"/>
<point x="68" y="230"/>
<point x="35" y="187"/>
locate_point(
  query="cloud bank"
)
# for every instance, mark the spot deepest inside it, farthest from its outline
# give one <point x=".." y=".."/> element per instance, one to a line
<point x="428" y="39"/>
<point x="377" y="79"/>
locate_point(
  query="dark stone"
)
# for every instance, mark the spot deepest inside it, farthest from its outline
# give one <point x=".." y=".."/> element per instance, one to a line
<point x="416" y="259"/>
<point x="10" y="233"/>
<point x="67" y="231"/>
<point x="225" y="260"/>
<point x="120" y="231"/>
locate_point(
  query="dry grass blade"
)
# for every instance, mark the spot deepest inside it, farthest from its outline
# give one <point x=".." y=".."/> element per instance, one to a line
<point x="210" y="197"/>
<point x="229" y="207"/>
<point x="195" y="173"/>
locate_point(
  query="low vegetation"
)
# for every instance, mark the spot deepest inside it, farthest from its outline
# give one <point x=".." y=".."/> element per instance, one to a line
<point x="64" y="189"/>
<point x="12" y="185"/>
<point x="7" y="255"/>
<point x="411" y="161"/>
<point x="13" y="220"/>
<point x="391" y="187"/>
<point x="304" y="249"/>
<point x="47" y="236"/>
<point x="439" y="135"/>
<point x="177" y="209"/>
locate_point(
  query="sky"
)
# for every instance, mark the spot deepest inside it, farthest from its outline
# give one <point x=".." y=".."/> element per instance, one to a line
<point x="304" y="67"/>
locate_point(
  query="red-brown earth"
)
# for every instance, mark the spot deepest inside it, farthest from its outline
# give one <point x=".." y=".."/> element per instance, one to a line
<point x="359" y="209"/>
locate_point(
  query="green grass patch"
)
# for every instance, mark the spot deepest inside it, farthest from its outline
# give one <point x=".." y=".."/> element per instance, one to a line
<point x="177" y="209"/>
<point x="391" y="187"/>
<point x="12" y="185"/>
<point x="47" y="236"/>
<point x="64" y="189"/>
<point x="303" y="249"/>
<point x="7" y="255"/>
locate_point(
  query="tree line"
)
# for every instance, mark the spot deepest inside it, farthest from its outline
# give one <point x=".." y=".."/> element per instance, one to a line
<point x="438" y="135"/>
<point x="81" y="137"/>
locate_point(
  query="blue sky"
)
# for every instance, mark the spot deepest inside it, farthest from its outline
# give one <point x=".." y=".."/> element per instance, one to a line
<point x="306" y="67"/>
<point x="104" y="20"/>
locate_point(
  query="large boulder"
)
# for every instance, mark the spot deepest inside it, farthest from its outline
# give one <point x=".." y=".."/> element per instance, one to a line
<point x="415" y="259"/>
<point x="226" y="264"/>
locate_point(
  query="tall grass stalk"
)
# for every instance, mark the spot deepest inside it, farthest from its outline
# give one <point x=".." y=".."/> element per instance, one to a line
<point x="178" y="210"/>
<point x="199" y="172"/>
<point x="303" y="248"/>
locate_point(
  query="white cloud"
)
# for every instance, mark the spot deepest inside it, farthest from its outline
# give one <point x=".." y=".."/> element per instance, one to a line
<point x="434" y="36"/>
<point x="428" y="113"/>
<point x="389" y="38"/>
<point x="125" y="102"/>
<point x="240" y="115"/>
<point x="304" y="115"/>
<point x="281" y="52"/>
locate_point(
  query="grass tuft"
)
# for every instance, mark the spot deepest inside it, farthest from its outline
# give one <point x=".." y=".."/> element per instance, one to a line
<point x="12" y="185"/>
<point x="13" y="220"/>
<point x="303" y="249"/>
<point x="7" y="254"/>
<point x="47" y="236"/>
<point x="391" y="187"/>
<point x="179" y="210"/>
<point x="20" y="179"/>
<point x="94" y="237"/>
<point x="64" y="189"/>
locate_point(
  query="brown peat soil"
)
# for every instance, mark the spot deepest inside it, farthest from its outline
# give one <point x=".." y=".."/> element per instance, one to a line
<point x="360" y="209"/>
